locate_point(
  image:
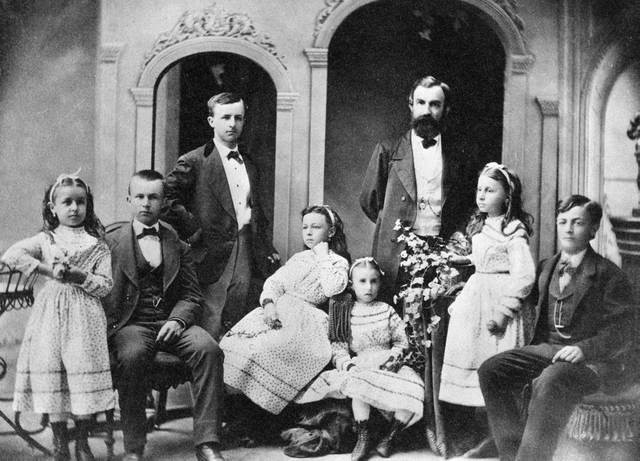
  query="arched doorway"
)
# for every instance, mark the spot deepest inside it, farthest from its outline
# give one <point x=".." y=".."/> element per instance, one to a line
<point x="374" y="56"/>
<point x="180" y="111"/>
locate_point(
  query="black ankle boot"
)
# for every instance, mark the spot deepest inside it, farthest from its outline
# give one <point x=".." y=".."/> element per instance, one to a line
<point x="385" y="445"/>
<point x="60" y="441"/>
<point x="83" y="452"/>
<point x="361" y="450"/>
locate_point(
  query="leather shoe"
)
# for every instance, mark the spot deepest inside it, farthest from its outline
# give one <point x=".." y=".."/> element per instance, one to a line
<point x="132" y="457"/>
<point x="209" y="452"/>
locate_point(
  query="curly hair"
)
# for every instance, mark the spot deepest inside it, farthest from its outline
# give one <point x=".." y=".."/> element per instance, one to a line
<point x="92" y="224"/>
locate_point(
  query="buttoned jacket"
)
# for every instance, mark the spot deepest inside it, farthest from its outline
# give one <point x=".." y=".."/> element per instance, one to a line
<point x="180" y="293"/>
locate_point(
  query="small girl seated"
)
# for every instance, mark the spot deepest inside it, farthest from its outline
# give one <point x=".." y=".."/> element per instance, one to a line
<point x="368" y="339"/>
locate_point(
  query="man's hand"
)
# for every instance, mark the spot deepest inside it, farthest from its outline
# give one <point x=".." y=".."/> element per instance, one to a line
<point x="194" y="238"/>
<point x="170" y="332"/>
<point x="571" y="354"/>
<point x="273" y="258"/>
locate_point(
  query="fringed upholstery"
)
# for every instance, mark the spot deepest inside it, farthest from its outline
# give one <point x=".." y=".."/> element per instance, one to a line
<point x="607" y="418"/>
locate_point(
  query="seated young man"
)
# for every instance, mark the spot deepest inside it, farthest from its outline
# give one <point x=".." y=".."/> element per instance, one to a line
<point x="584" y="312"/>
<point x="154" y="305"/>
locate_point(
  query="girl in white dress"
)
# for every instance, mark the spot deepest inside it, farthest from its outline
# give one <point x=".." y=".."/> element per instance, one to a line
<point x="63" y="365"/>
<point x="368" y="340"/>
<point x="486" y="317"/>
<point x="277" y="349"/>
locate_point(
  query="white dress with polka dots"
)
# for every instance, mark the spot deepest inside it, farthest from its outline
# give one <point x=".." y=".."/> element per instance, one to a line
<point x="271" y="366"/>
<point x="63" y="365"/>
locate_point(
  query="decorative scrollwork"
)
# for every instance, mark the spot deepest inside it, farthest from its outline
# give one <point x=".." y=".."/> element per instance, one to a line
<point x="213" y="21"/>
<point x="324" y="14"/>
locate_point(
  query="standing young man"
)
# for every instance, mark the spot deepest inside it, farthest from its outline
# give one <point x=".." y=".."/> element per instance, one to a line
<point x="214" y="205"/>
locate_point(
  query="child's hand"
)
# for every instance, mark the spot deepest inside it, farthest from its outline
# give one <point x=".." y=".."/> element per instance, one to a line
<point x="58" y="270"/>
<point x="270" y="315"/>
<point x="498" y="324"/>
<point x="393" y="364"/>
<point x="321" y="248"/>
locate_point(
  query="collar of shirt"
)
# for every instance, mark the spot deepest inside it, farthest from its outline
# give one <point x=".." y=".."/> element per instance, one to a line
<point x="224" y="151"/>
<point x="574" y="259"/>
<point x="138" y="226"/>
<point x="416" y="143"/>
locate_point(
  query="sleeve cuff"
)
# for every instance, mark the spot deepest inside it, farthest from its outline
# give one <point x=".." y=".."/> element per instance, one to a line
<point x="179" y="320"/>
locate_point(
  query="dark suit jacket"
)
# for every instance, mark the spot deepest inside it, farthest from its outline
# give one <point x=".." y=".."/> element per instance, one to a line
<point x="198" y="197"/>
<point x="389" y="193"/>
<point x="181" y="291"/>
<point x="601" y="310"/>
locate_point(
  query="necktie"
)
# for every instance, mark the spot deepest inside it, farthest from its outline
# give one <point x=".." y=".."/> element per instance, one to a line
<point x="236" y="156"/>
<point x="148" y="231"/>
<point x="426" y="143"/>
<point x="566" y="268"/>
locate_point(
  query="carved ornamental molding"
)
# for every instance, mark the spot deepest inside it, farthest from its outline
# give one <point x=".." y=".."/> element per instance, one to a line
<point x="510" y="8"/>
<point x="330" y="6"/>
<point x="212" y="21"/>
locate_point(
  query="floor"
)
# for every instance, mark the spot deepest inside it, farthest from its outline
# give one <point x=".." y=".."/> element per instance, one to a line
<point x="171" y="442"/>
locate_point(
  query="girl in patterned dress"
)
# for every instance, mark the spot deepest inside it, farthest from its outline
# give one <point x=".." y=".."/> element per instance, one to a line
<point x="368" y="340"/>
<point x="63" y="365"/>
<point x="277" y="349"/>
<point x="487" y="317"/>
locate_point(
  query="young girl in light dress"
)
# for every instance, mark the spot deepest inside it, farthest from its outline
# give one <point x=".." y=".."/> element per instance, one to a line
<point x="277" y="349"/>
<point x="63" y="365"/>
<point x="486" y="317"/>
<point x="368" y="340"/>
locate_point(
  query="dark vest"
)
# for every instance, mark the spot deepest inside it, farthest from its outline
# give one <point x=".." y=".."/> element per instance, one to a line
<point x="558" y="311"/>
<point x="150" y="307"/>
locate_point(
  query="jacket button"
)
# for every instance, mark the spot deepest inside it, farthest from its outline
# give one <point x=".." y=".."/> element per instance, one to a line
<point x="403" y="198"/>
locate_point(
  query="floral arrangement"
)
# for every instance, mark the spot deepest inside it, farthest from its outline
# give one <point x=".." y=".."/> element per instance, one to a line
<point x="426" y="265"/>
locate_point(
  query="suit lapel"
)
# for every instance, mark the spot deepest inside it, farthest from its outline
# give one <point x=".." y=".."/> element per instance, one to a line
<point x="170" y="256"/>
<point x="217" y="180"/>
<point x="545" y="279"/>
<point x="583" y="278"/>
<point x="404" y="167"/>
<point x="447" y="165"/>
<point x="124" y="253"/>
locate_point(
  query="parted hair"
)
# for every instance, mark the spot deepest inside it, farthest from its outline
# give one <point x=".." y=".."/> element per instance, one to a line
<point x="224" y="98"/>
<point x="338" y="241"/>
<point x="513" y="208"/>
<point x="593" y="208"/>
<point x="340" y="306"/>
<point x="429" y="81"/>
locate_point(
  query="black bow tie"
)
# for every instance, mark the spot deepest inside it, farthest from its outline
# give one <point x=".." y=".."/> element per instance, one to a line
<point x="426" y="143"/>
<point x="236" y="156"/>
<point x="566" y="268"/>
<point x="148" y="231"/>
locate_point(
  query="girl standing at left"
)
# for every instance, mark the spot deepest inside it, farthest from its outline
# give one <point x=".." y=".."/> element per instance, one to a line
<point x="63" y="365"/>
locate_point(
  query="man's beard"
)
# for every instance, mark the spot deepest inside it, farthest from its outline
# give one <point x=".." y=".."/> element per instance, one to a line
<point x="426" y="126"/>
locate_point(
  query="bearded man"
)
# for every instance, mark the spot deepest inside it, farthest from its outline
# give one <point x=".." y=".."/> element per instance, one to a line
<point x="426" y="179"/>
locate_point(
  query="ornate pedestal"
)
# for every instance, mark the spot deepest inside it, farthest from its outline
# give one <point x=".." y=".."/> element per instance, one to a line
<point x="627" y="231"/>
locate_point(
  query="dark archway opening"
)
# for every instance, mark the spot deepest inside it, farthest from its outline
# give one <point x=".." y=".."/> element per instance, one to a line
<point x="374" y="57"/>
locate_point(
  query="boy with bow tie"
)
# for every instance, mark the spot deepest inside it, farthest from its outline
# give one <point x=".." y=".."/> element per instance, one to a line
<point x="584" y="309"/>
<point x="154" y="305"/>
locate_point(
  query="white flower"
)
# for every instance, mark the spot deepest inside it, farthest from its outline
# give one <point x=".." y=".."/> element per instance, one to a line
<point x="398" y="225"/>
